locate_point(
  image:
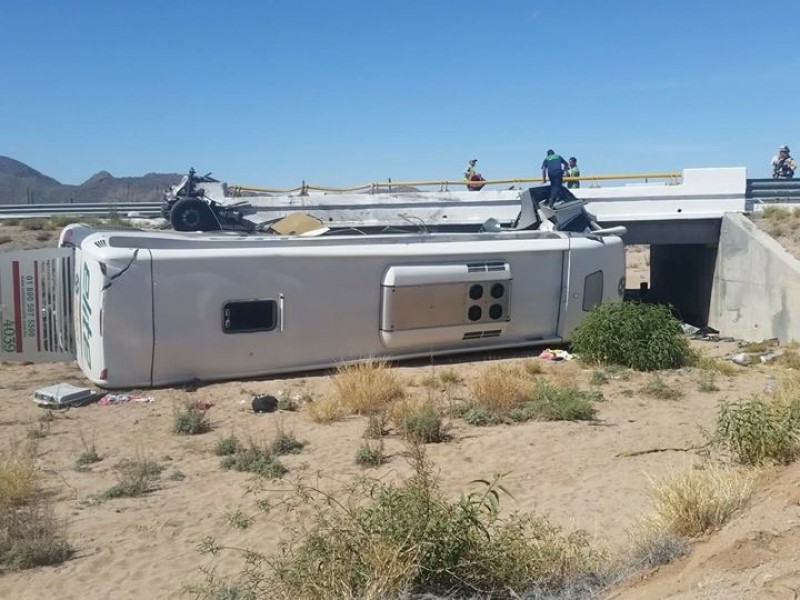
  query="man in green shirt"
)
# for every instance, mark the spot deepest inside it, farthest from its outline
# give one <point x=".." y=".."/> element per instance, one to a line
<point x="573" y="171"/>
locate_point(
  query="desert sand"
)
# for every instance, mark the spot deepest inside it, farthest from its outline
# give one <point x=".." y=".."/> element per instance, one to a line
<point x="574" y="472"/>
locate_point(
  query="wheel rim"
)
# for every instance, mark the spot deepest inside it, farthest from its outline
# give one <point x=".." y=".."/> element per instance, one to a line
<point x="191" y="218"/>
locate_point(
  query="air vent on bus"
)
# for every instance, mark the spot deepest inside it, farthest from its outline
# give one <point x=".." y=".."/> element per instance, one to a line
<point x="485" y="267"/>
<point x="479" y="335"/>
<point x="101" y="243"/>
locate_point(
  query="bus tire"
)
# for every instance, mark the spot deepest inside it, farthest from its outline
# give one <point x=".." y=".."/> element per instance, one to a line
<point x="191" y="214"/>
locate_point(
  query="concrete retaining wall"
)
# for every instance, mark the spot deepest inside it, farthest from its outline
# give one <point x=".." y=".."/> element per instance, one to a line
<point x="756" y="291"/>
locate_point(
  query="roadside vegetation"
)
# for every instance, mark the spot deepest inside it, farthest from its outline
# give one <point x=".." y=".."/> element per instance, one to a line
<point x="509" y="395"/>
<point x="31" y="535"/>
<point x="386" y="539"/>
<point x="645" y="337"/>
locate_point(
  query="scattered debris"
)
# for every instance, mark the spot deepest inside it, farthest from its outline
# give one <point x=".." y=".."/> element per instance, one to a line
<point x="63" y="395"/>
<point x="110" y="399"/>
<point x="264" y="403"/>
<point x="629" y="453"/>
<point x="555" y="355"/>
<point x="706" y="334"/>
<point x="748" y="358"/>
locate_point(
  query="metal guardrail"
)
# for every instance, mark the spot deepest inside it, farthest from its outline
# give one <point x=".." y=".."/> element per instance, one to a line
<point x="759" y="191"/>
<point x="88" y="209"/>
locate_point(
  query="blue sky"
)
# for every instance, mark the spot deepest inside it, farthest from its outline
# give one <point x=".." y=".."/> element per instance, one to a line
<point x="271" y="93"/>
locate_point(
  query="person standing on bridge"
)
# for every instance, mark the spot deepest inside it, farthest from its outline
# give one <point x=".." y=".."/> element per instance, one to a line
<point x="553" y="167"/>
<point x="573" y="171"/>
<point x="783" y="165"/>
<point x="471" y="174"/>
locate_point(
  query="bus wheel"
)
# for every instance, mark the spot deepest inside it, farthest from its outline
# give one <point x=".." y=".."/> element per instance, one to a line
<point x="191" y="214"/>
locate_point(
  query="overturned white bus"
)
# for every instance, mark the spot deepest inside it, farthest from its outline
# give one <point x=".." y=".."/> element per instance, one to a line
<point x="149" y="308"/>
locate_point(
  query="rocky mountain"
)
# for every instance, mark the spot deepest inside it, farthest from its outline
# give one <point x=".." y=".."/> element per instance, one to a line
<point x="21" y="184"/>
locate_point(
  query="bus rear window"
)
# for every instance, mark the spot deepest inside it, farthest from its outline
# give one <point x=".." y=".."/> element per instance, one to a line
<point x="242" y="316"/>
<point x="592" y="290"/>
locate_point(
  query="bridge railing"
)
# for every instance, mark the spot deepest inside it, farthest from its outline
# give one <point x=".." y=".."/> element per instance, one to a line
<point x="670" y="178"/>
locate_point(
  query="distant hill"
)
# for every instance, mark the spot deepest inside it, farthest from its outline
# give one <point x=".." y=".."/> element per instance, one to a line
<point x="21" y="184"/>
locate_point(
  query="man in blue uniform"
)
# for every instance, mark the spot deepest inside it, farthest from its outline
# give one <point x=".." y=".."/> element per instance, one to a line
<point x="553" y="167"/>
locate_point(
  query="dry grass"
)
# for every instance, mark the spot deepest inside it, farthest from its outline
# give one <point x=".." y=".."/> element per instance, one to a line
<point x="325" y="410"/>
<point x="368" y="387"/>
<point x="790" y="358"/>
<point x="30" y="534"/>
<point x="722" y="367"/>
<point x="695" y="501"/>
<point x="135" y="477"/>
<point x="17" y="478"/>
<point x="501" y="389"/>
<point x="533" y="367"/>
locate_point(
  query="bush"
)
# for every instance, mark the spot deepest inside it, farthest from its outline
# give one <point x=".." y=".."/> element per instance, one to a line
<point x="541" y="401"/>
<point x="371" y="454"/>
<point x="657" y="388"/>
<point x="87" y="457"/>
<point x="757" y="431"/>
<point x="419" y="421"/>
<point x="255" y="459"/>
<point x="562" y="403"/>
<point x="192" y="419"/>
<point x="693" y="502"/>
<point x="387" y="540"/>
<point x="366" y="388"/>
<point x="376" y="427"/>
<point x="285" y="443"/>
<point x="135" y="478"/>
<point x="645" y="337"/>
<point x="227" y="446"/>
<point x="31" y="536"/>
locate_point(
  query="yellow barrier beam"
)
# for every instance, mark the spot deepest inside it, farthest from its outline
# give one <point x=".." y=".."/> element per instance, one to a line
<point x="449" y="182"/>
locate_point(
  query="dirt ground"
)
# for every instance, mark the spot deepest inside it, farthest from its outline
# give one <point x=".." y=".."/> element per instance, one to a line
<point x="783" y="225"/>
<point x="575" y="472"/>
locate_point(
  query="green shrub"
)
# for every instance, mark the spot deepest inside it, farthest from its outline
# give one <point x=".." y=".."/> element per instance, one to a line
<point x="758" y="431"/>
<point x="658" y="388"/>
<point x="387" y="540"/>
<point x="544" y="401"/>
<point x="227" y="446"/>
<point x="286" y="443"/>
<point x="254" y="459"/>
<point x="371" y="454"/>
<point x="191" y="420"/>
<point x="562" y="403"/>
<point x="423" y="424"/>
<point x="481" y="415"/>
<point x="135" y="478"/>
<point x="645" y="337"/>
<point x="376" y="426"/>
<point x="87" y="457"/>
